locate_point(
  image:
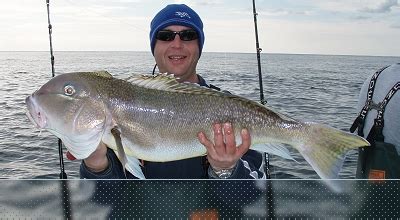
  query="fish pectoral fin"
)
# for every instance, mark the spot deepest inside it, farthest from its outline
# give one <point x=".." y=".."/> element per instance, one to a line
<point x="120" y="149"/>
<point x="277" y="149"/>
<point x="133" y="166"/>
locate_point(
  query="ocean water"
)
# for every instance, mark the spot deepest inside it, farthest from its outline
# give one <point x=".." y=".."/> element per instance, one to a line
<point x="318" y="88"/>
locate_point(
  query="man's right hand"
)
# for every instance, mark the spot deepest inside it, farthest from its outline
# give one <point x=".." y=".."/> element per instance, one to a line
<point x="98" y="160"/>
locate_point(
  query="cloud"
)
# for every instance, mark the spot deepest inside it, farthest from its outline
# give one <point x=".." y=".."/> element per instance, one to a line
<point x="345" y="6"/>
<point x="397" y="26"/>
<point x="382" y="7"/>
<point x="200" y="3"/>
<point x="110" y="2"/>
<point x="283" y="12"/>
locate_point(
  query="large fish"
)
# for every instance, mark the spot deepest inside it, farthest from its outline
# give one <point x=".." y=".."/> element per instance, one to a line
<point x="155" y="118"/>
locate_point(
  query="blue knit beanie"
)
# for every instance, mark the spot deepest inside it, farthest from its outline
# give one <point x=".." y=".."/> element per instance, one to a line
<point x="176" y="14"/>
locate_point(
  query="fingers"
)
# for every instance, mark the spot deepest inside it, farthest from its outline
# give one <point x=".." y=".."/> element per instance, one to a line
<point x="230" y="142"/>
<point x="219" y="144"/>
<point x="222" y="152"/>
<point x="207" y="143"/>
<point x="224" y="139"/>
<point x="246" y="142"/>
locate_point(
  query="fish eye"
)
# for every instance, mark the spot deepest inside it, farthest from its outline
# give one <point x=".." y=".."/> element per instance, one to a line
<point x="69" y="90"/>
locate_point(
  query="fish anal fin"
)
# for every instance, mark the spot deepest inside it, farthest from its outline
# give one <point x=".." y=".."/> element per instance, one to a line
<point x="277" y="149"/>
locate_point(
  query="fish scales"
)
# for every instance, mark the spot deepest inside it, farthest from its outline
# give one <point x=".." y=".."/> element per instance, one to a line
<point x="178" y="117"/>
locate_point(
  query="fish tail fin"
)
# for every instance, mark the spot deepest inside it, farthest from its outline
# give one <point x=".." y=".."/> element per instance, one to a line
<point x="325" y="148"/>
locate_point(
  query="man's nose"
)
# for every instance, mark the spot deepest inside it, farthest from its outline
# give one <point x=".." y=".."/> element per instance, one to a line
<point x="177" y="42"/>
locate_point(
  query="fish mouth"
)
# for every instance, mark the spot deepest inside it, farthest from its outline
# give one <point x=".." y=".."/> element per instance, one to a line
<point x="34" y="113"/>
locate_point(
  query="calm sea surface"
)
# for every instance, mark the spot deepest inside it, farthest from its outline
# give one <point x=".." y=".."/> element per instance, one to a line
<point x="319" y="88"/>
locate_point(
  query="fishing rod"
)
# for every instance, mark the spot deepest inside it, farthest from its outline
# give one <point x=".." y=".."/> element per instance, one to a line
<point x="63" y="175"/>
<point x="64" y="184"/>
<point x="258" y="49"/>
<point x="269" y="196"/>
<point x="51" y="43"/>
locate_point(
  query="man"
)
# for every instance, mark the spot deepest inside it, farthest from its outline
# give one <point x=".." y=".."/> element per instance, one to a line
<point x="379" y="123"/>
<point x="176" y="40"/>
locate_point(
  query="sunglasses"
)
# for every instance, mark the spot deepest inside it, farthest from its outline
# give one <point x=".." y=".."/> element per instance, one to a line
<point x="186" y="35"/>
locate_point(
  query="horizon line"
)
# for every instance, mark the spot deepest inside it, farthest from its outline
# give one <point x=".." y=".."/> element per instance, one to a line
<point x="232" y="52"/>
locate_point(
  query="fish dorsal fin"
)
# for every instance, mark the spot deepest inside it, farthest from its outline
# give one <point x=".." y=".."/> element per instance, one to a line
<point x="103" y="73"/>
<point x="166" y="82"/>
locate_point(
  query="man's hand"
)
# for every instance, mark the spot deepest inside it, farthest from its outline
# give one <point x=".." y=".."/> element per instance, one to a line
<point x="223" y="153"/>
<point x="98" y="160"/>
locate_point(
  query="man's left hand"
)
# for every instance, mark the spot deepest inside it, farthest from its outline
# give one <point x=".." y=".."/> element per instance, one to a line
<point x="223" y="152"/>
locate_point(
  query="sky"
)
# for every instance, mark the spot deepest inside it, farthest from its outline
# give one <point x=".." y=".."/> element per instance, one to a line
<point x="338" y="27"/>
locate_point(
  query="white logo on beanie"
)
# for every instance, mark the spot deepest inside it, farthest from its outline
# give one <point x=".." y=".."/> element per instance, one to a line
<point x="182" y="14"/>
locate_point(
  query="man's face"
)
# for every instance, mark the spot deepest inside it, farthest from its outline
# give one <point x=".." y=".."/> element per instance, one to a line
<point x="177" y="57"/>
